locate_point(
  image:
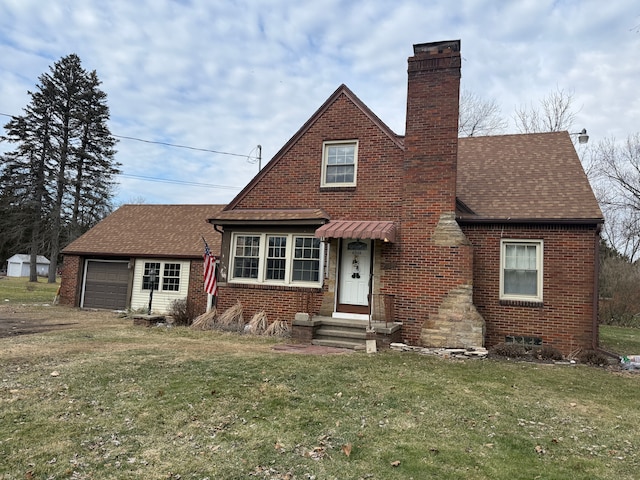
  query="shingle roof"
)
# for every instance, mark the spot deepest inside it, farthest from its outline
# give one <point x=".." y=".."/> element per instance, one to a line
<point x="520" y="177"/>
<point x="151" y="231"/>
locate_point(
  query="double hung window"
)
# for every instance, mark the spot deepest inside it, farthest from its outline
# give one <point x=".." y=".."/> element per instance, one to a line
<point x="521" y="270"/>
<point x="279" y="258"/>
<point x="339" y="164"/>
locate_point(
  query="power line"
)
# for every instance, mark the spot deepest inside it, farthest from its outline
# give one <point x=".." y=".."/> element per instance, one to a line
<point x="179" y="182"/>
<point x="248" y="157"/>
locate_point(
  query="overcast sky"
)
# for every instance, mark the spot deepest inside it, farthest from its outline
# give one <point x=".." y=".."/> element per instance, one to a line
<point x="229" y="75"/>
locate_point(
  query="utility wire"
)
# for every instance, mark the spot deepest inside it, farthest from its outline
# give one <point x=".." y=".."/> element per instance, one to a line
<point x="248" y="157"/>
<point x="180" y="182"/>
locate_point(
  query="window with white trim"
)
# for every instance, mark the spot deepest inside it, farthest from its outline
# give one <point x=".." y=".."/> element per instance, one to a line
<point x="171" y="277"/>
<point x="521" y="270"/>
<point x="165" y="274"/>
<point x="339" y="163"/>
<point x="286" y="259"/>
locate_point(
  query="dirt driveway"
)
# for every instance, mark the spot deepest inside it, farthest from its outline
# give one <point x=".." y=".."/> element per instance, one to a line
<point x="26" y="319"/>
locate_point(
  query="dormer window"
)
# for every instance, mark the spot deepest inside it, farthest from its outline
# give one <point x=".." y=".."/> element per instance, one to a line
<point x="339" y="163"/>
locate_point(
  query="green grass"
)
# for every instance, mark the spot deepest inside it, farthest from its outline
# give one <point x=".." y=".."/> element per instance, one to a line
<point x="130" y="402"/>
<point x="21" y="290"/>
<point x="621" y="340"/>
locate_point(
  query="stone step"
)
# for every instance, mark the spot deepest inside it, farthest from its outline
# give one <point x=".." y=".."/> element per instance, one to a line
<point x="341" y="332"/>
<point x="333" y="342"/>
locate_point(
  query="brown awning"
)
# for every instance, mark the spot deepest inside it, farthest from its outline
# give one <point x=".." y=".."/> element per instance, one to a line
<point x="358" y="229"/>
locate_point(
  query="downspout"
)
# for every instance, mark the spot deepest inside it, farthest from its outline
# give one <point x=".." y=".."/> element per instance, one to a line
<point x="595" y="340"/>
<point x="595" y="335"/>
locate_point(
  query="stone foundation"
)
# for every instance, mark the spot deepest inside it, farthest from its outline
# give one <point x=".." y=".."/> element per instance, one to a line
<point x="457" y="323"/>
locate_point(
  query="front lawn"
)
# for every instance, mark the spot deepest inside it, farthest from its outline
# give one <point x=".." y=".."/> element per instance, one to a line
<point x="21" y="290"/>
<point x="110" y="400"/>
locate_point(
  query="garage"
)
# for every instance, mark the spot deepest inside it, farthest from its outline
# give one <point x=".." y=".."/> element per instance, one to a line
<point x="106" y="284"/>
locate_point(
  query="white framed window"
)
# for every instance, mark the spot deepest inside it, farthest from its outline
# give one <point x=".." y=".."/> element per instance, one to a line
<point x="521" y="270"/>
<point x="339" y="163"/>
<point x="165" y="274"/>
<point x="285" y="259"/>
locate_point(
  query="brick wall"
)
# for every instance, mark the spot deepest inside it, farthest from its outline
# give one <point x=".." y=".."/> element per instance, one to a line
<point x="70" y="281"/>
<point x="279" y="303"/>
<point x="565" y="318"/>
<point x="196" y="296"/>
<point x="294" y="182"/>
<point x="432" y="265"/>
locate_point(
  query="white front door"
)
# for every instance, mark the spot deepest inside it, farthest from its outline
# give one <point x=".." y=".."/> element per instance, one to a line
<point x="355" y="267"/>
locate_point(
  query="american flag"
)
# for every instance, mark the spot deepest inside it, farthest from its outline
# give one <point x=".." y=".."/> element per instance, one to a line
<point x="210" y="271"/>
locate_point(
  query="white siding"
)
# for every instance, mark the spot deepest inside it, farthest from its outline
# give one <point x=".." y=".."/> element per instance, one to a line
<point x="161" y="300"/>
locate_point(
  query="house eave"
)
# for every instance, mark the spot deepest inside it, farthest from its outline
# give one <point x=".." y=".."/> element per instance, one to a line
<point x="529" y="221"/>
<point x="266" y="223"/>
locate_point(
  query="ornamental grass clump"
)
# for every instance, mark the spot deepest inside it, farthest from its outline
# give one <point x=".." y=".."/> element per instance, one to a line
<point x="258" y="323"/>
<point x="231" y="319"/>
<point x="206" y="321"/>
<point x="279" y="328"/>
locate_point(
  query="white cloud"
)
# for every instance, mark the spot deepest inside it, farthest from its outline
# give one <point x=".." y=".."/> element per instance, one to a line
<point x="227" y="76"/>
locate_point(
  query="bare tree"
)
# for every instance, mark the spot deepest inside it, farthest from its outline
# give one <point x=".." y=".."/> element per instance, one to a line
<point x="618" y="174"/>
<point x="555" y="114"/>
<point x="478" y="116"/>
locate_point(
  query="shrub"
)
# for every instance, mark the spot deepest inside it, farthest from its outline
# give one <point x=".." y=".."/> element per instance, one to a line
<point x="593" y="357"/>
<point x="181" y="312"/>
<point x="547" y="352"/>
<point x="509" y="350"/>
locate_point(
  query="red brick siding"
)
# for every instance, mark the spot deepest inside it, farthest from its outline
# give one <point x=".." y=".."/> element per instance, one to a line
<point x="294" y="181"/>
<point x="565" y="319"/>
<point x="279" y="303"/>
<point x="196" y="296"/>
<point x="428" y="271"/>
<point x="71" y="280"/>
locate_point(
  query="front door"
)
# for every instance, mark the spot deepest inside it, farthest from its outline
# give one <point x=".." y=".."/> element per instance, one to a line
<point x="355" y="269"/>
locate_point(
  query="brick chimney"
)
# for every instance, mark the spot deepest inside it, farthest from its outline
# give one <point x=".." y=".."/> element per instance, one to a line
<point x="437" y="259"/>
<point x="431" y="135"/>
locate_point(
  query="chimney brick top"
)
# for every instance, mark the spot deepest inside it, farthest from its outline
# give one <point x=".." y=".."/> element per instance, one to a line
<point x="435" y="48"/>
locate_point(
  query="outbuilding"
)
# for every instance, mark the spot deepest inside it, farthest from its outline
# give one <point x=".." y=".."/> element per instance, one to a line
<point x="19" y="265"/>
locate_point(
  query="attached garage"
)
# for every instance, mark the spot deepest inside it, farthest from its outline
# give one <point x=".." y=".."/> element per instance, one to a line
<point x="106" y="284"/>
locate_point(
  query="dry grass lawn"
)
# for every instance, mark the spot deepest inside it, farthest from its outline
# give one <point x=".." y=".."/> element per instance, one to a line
<point x="102" y="399"/>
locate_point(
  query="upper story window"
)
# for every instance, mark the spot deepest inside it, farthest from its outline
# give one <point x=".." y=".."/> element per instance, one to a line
<point x="286" y="259"/>
<point x="521" y="270"/>
<point x="339" y="163"/>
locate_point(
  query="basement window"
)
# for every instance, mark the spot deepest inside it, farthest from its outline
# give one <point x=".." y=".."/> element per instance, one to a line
<point x="523" y="340"/>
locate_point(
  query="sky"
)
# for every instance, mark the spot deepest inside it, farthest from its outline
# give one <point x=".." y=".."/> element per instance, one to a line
<point x="225" y="76"/>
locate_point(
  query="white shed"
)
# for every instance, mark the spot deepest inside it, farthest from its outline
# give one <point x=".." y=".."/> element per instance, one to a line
<point x="18" y="265"/>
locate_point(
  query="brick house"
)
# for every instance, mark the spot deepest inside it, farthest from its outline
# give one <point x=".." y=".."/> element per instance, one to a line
<point x="110" y="265"/>
<point x="427" y="238"/>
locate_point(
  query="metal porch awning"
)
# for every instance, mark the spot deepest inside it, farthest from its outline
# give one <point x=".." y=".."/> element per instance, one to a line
<point x="376" y="230"/>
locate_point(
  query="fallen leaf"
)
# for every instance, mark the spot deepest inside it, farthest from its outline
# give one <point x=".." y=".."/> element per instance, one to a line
<point x="573" y="404"/>
<point x="346" y="449"/>
<point x="55" y="373"/>
<point x="396" y="463"/>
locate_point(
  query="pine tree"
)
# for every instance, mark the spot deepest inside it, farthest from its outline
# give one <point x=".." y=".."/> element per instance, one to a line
<point x="59" y="180"/>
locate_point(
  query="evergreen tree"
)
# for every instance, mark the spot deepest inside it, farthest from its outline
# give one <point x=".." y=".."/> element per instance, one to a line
<point x="58" y="181"/>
